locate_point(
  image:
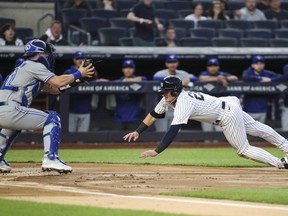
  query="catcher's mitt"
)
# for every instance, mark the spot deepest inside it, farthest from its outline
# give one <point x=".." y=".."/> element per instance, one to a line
<point x="86" y="79"/>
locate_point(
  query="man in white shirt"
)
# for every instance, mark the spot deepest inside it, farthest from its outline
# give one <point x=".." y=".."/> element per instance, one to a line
<point x="249" y="12"/>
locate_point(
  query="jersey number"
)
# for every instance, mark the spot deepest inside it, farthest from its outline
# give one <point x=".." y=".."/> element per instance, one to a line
<point x="197" y="96"/>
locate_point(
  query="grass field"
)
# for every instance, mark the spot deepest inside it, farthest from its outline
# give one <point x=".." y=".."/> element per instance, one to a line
<point x="222" y="157"/>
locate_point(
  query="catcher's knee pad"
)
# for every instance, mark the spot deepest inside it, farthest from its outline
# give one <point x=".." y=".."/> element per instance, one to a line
<point x="6" y="140"/>
<point x="52" y="132"/>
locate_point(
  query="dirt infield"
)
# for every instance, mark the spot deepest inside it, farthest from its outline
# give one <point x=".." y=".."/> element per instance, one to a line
<point x="138" y="187"/>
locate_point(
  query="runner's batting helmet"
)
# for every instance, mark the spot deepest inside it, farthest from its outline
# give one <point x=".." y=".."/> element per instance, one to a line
<point x="172" y="84"/>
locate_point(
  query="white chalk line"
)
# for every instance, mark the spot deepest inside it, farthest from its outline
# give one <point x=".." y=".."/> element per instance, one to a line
<point x="52" y="188"/>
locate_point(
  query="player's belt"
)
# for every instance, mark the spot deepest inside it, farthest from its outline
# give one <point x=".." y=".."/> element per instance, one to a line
<point x="3" y="103"/>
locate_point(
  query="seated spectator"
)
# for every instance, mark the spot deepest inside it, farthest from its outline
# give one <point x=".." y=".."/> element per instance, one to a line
<point x="107" y="4"/>
<point x="145" y="22"/>
<point x="249" y="12"/>
<point x="8" y="36"/>
<point x="170" y="38"/>
<point x="284" y="116"/>
<point x="276" y="12"/>
<point x="263" y="5"/>
<point x="197" y="15"/>
<point x="78" y="4"/>
<point x="254" y="104"/>
<point x="224" y="5"/>
<point x="216" y="11"/>
<point x="54" y="34"/>
<point x="214" y="74"/>
<point x="128" y="109"/>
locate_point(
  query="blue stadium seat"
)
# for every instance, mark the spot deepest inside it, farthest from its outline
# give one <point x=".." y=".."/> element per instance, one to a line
<point x="24" y="33"/>
<point x="4" y="21"/>
<point x="99" y="12"/>
<point x="126" y="4"/>
<point x="92" y="24"/>
<point x="183" y="13"/>
<point x="232" y="33"/>
<point x="110" y="36"/>
<point x="126" y="41"/>
<point x="203" y="32"/>
<point x="180" y="5"/>
<point x="180" y="33"/>
<point x="162" y="4"/>
<point x="121" y="23"/>
<point x="165" y="14"/>
<point x="235" y="5"/>
<point x="216" y="24"/>
<point x="72" y="17"/>
<point x="284" y="5"/>
<point x="254" y="42"/>
<point x="124" y="12"/>
<point x="266" y="24"/>
<point x="239" y="24"/>
<point x="206" y="4"/>
<point x="281" y="33"/>
<point x="195" y="42"/>
<point x="224" y="42"/>
<point x="259" y="33"/>
<point x="278" y="42"/>
<point x="180" y="23"/>
<point x="284" y="23"/>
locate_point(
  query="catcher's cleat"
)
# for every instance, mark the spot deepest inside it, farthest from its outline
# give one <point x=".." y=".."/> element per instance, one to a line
<point x="285" y="162"/>
<point x="52" y="162"/>
<point x="4" y="167"/>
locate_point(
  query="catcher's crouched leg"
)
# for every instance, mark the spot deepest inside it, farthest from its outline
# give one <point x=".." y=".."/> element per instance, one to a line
<point x="52" y="138"/>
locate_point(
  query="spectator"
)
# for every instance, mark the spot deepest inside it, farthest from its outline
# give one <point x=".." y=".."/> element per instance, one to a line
<point x="254" y="104"/>
<point x="128" y="105"/>
<point x="80" y="104"/>
<point x="197" y="15"/>
<point x="213" y="74"/>
<point x="143" y="16"/>
<point x="107" y="4"/>
<point x="170" y="38"/>
<point x="249" y="12"/>
<point x="54" y="34"/>
<point x="284" y="116"/>
<point x="171" y="64"/>
<point x="78" y="4"/>
<point x="263" y="5"/>
<point x="216" y="11"/>
<point x="224" y="5"/>
<point x="8" y="36"/>
<point x="275" y="12"/>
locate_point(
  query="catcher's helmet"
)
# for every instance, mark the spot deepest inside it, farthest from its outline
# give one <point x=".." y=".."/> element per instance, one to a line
<point x="172" y="84"/>
<point x="33" y="47"/>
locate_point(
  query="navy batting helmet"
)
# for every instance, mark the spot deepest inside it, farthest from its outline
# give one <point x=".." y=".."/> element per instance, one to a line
<point x="172" y="84"/>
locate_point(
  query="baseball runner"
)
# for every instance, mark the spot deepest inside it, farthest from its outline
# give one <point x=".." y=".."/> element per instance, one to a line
<point x="223" y="111"/>
<point x="18" y="91"/>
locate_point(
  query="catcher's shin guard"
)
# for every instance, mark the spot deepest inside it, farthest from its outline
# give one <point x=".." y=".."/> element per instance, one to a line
<point x="6" y="138"/>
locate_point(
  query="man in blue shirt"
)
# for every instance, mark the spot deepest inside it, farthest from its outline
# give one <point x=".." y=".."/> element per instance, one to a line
<point x="128" y="105"/>
<point x="80" y="104"/>
<point x="254" y="104"/>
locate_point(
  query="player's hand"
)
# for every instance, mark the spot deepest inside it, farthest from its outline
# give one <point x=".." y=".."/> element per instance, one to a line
<point x="88" y="71"/>
<point x="223" y="81"/>
<point x="150" y="153"/>
<point x="265" y="80"/>
<point x="131" y="136"/>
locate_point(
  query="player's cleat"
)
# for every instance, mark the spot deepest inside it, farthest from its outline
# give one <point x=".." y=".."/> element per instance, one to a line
<point x="285" y="162"/>
<point x="4" y="167"/>
<point x="52" y="162"/>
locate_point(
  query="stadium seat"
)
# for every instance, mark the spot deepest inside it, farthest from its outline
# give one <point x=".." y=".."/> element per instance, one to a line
<point x="206" y="4"/>
<point x="110" y="36"/>
<point x="180" y="23"/>
<point x="180" y="5"/>
<point x="259" y="33"/>
<point x="284" y="5"/>
<point x="239" y="24"/>
<point x="281" y="33"/>
<point x="124" y="12"/>
<point x="284" y="23"/>
<point x="99" y="12"/>
<point x="278" y="42"/>
<point x="195" y="42"/>
<point x="165" y="14"/>
<point x="183" y="13"/>
<point x="266" y="24"/>
<point x="235" y="5"/>
<point x="24" y="33"/>
<point x="224" y="42"/>
<point x="162" y="4"/>
<point x="92" y="24"/>
<point x="216" y="24"/>
<point x="203" y="32"/>
<point x="125" y="4"/>
<point x="232" y="33"/>
<point x="180" y="33"/>
<point x="121" y="23"/>
<point x="253" y="42"/>
<point x="72" y="17"/>
<point x="126" y="41"/>
<point x="4" y="21"/>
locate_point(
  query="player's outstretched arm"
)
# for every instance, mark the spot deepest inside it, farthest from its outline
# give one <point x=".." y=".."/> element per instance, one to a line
<point x="148" y="121"/>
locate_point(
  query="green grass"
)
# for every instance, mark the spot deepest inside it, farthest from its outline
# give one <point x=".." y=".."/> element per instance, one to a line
<point x="24" y="208"/>
<point x="262" y="195"/>
<point x="222" y="157"/>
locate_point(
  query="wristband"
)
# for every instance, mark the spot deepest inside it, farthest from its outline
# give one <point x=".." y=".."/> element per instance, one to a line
<point x="142" y="127"/>
<point x="141" y="20"/>
<point x="77" y="75"/>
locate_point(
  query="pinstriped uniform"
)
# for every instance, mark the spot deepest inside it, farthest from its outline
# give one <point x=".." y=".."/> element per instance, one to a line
<point x="226" y="112"/>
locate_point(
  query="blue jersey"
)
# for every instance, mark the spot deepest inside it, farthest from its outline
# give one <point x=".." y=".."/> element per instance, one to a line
<point x="254" y="103"/>
<point x="79" y="103"/>
<point x="128" y="106"/>
<point x="220" y="73"/>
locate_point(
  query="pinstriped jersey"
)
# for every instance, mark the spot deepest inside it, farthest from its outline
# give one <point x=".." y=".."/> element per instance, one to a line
<point x="24" y="83"/>
<point x="192" y="105"/>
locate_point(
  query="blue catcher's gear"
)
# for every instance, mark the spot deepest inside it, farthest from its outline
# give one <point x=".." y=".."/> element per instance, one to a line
<point x="33" y="47"/>
<point x="6" y="138"/>
<point x="18" y="62"/>
<point x="51" y="55"/>
<point x="52" y="134"/>
<point x="172" y="84"/>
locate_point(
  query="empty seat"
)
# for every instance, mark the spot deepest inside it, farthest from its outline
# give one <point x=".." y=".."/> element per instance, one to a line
<point x="266" y="24"/>
<point x="125" y="4"/>
<point x="180" y="33"/>
<point x="121" y="23"/>
<point x="180" y="5"/>
<point x="72" y="17"/>
<point x="126" y="41"/>
<point x="180" y="23"/>
<point x="124" y="12"/>
<point x="284" y="5"/>
<point x="92" y="24"/>
<point x="239" y="24"/>
<point x="253" y="42"/>
<point x="165" y="14"/>
<point x="224" y="42"/>
<point x="99" y="12"/>
<point x="235" y="5"/>
<point x="4" y="21"/>
<point x="259" y="33"/>
<point x="232" y="33"/>
<point x="183" y="13"/>
<point x="281" y="33"/>
<point x="24" y="33"/>
<point x="278" y="42"/>
<point x="195" y="42"/>
<point x="203" y="32"/>
<point x="284" y="23"/>
<point x="216" y="24"/>
<point x="110" y="36"/>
